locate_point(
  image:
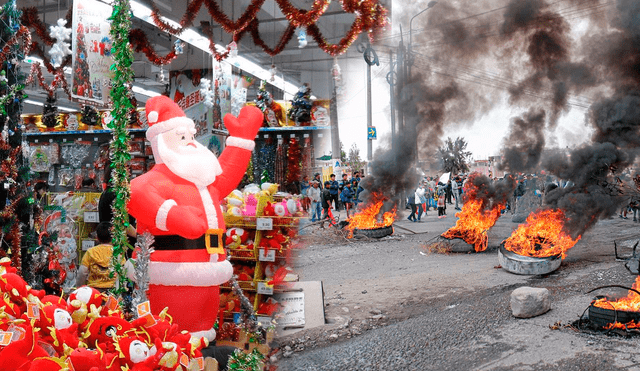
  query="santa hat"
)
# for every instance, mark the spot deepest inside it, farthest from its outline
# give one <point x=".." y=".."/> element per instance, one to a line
<point x="163" y="114"/>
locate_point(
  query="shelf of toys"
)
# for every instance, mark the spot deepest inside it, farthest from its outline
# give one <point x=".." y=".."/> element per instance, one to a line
<point x="261" y="229"/>
<point x="76" y="148"/>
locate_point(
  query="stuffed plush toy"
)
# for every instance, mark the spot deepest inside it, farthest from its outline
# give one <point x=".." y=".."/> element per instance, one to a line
<point x="20" y="353"/>
<point x="83" y="359"/>
<point x="250" y="205"/>
<point x="101" y="330"/>
<point x="269" y="210"/>
<point x="235" y="238"/>
<point x="58" y="329"/>
<point x="178" y="200"/>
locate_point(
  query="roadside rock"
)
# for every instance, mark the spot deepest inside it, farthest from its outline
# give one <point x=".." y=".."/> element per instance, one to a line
<point x="527" y="302"/>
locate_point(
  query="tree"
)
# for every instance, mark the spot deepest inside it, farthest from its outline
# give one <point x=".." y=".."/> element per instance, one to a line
<point x="353" y="160"/>
<point x="453" y="156"/>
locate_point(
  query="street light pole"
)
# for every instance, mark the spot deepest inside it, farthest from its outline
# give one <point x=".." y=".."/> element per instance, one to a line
<point x="410" y="55"/>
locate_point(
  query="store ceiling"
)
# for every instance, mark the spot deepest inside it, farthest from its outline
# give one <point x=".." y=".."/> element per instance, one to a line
<point x="293" y="62"/>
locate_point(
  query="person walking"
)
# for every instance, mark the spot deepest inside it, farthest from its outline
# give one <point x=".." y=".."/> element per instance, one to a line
<point x="456" y="191"/>
<point x="411" y="202"/>
<point x="420" y="199"/>
<point x="346" y="197"/>
<point x="304" y="187"/>
<point x="314" y="195"/>
<point x="441" y="203"/>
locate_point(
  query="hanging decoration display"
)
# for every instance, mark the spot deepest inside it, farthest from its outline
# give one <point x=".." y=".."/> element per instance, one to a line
<point x="206" y="92"/>
<point x="307" y="155"/>
<point x="24" y="34"/>
<point x="370" y="17"/>
<point x="302" y="38"/>
<point x="140" y="44"/>
<point x="280" y="163"/>
<point x="293" y="161"/>
<point x="59" y="80"/>
<point x="119" y="147"/>
<point x="60" y="49"/>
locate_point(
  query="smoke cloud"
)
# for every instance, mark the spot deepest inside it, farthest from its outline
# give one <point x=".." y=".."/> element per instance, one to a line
<point x="468" y="54"/>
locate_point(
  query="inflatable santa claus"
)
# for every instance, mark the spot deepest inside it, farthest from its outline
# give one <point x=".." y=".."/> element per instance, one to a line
<point x="178" y="202"/>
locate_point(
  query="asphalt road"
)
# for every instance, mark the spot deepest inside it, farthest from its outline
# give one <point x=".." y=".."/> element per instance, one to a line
<point x="394" y="305"/>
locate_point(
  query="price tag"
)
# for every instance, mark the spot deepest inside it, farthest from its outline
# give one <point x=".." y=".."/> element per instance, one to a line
<point x="319" y="135"/>
<point x="265" y="289"/>
<point x="266" y="136"/>
<point x="33" y="311"/>
<point x="184" y="360"/>
<point x="200" y="361"/>
<point x="91" y="217"/>
<point x="87" y="244"/>
<point x="264" y="224"/>
<point x="143" y="309"/>
<point x="305" y="135"/>
<point x="267" y="255"/>
<point x="292" y="135"/>
<point x="5" y="338"/>
<point x="112" y="303"/>
<point x="69" y="364"/>
<point x="50" y="140"/>
<point x="278" y="136"/>
<point x="35" y="141"/>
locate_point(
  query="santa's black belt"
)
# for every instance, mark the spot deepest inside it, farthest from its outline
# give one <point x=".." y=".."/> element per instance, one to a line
<point x="211" y="240"/>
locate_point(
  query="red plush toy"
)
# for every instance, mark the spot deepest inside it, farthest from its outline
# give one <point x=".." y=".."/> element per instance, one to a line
<point x="20" y="353"/>
<point x="83" y="359"/>
<point x="178" y="201"/>
<point x="58" y="329"/>
<point x="101" y="330"/>
<point x="235" y="238"/>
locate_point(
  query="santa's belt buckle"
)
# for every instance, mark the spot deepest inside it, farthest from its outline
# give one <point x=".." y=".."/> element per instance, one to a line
<point x="213" y="241"/>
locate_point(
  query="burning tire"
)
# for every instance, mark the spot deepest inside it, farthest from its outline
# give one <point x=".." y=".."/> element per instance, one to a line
<point x="520" y="264"/>
<point x="373" y="233"/>
<point x="601" y="317"/>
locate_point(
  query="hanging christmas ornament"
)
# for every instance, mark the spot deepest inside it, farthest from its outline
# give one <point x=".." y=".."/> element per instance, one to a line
<point x="60" y="49"/>
<point x="335" y="70"/>
<point x="161" y="77"/>
<point x="179" y="46"/>
<point x="233" y="49"/>
<point x="302" y="38"/>
<point x="206" y="92"/>
<point x="273" y="70"/>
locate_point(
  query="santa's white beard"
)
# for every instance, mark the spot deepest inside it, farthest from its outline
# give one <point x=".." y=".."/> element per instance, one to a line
<point x="197" y="165"/>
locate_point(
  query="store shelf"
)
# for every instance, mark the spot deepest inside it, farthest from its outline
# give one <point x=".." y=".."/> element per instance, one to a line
<point x="77" y="132"/>
<point x="294" y="128"/>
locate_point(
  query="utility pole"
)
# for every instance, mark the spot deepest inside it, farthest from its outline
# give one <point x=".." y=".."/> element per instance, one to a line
<point x="400" y="80"/>
<point x="333" y="116"/>
<point x="392" y="79"/>
<point x="371" y="58"/>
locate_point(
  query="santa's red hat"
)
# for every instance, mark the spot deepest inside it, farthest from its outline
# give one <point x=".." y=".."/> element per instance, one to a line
<point x="163" y="114"/>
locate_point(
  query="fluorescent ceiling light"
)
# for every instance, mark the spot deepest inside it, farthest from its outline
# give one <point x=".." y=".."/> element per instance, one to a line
<point x="149" y="93"/>
<point x="36" y="103"/>
<point x="192" y="37"/>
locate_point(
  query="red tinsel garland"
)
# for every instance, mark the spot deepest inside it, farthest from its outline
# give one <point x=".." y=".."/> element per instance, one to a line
<point x="227" y="24"/>
<point x="255" y="35"/>
<point x="58" y="81"/>
<point x="140" y="43"/>
<point x="293" y="161"/>
<point x="299" y="18"/>
<point x="280" y="159"/>
<point x="30" y="19"/>
<point x="23" y="33"/>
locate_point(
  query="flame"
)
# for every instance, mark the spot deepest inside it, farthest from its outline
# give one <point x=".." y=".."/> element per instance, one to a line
<point x="629" y="303"/>
<point x="623" y="326"/>
<point x="474" y="222"/>
<point x="541" y="235"/>
<point x="369" y="217"/>
<point x="477" y="216"/>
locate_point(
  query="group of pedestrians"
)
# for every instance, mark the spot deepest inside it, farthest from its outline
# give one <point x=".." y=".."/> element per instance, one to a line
<point x="333" y="195"/>
<point x="432" y="192"/>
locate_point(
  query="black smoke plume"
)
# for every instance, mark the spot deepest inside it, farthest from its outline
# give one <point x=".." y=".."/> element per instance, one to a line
<point x="524" y="143"/>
